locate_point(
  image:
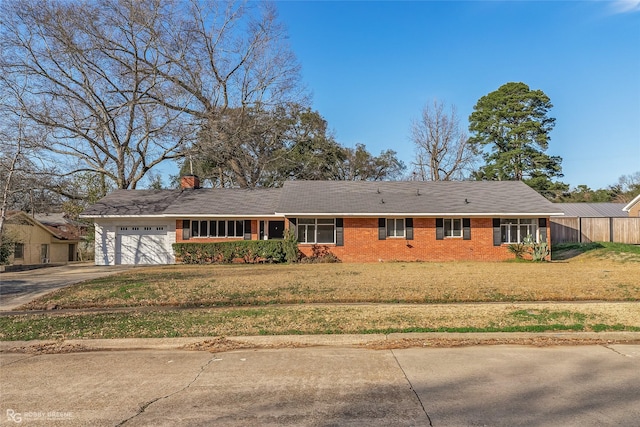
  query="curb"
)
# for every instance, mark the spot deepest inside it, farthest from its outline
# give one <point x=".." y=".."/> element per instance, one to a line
<point x="130" y="344"/>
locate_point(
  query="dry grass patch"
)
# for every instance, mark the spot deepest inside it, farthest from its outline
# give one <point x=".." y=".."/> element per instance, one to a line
<point x="582" y="278"/>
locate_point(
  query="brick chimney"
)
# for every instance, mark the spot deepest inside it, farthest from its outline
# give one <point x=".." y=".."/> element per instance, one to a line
<point x="189" y="182"/>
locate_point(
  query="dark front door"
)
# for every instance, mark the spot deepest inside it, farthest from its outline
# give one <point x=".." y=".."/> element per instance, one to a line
<point x="276" y="229"/>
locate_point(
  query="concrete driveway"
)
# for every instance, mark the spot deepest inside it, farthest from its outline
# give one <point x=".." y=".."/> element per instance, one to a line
<point x="18" y="288"/>
<point x="325" y="386"/>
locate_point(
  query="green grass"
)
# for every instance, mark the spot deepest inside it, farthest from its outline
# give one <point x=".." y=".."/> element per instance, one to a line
<point x="598" y="249"/>
<point x="287" y="321"/>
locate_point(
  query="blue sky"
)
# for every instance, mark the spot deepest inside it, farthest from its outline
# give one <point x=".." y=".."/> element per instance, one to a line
<point x="372" y="66"/>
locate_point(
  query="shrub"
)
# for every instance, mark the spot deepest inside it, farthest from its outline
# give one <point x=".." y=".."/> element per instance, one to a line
<point x="319" y="255"/>
<point x="249" y="251"/>
<point x="7" y="245"/>
<point x="290" y="246"/>
<point x="518" y="249"/>
<point x="537" y="251"/>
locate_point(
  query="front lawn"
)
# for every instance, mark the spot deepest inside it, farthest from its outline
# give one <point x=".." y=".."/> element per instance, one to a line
<point x="233" y="300"/>
<point x="242" y="285"/>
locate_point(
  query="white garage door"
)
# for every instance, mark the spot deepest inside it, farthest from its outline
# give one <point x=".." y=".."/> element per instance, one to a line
<point x="142" y="245"/>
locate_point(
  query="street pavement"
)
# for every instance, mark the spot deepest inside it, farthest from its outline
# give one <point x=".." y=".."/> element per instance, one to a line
<point x="20" y="287"/>
<point x="134" y="383"/>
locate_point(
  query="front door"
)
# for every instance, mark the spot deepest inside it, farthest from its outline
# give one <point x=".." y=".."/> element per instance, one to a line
<point x="276" y="230"/>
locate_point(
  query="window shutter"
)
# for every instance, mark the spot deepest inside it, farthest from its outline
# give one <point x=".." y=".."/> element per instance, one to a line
<point x="439" y="229"/>
<point x="339" y="232"/>
<point x="542" y="229"/>
<point x="408" y="224"/>
<point x="497" y="238"/>
<point x="382" y="229"/>
<point x="466" y="228"/>
<point x="186" y="229"/>
<point x="247" y="229"/>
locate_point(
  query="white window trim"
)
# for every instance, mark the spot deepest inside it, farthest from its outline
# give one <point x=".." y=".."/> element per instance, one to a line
<point x="533" y="226"/>
<point x="453" y="229"/>
<point x="395" y="235"/>
<point x="226" y="228"/>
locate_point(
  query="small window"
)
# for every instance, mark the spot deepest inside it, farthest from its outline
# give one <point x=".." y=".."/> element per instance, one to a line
<point x="18" y="251"/>
<point x="395" y="227"/>
<point x="44" y="253"/>
<point x="452" y="227"/>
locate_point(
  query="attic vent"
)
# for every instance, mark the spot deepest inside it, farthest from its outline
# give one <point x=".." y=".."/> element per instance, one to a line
<point x="382" y="201"/>
<point x="467" y="201"/>
<point x="418" y="192"/>
<point x="378" y="191"/>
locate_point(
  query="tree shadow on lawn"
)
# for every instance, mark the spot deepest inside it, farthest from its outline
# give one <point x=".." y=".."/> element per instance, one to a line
<point x="566" y="251"/>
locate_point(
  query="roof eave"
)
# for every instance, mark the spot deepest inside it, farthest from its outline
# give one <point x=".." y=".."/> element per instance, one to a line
<point x="631" y="203"/>
<point x="422" y="214"/>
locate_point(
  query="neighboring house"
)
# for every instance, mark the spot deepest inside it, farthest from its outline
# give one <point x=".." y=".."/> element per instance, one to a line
<point x="68" y="228"/>
<point x="356" y="221"/>
<point x="633" y="208"/>
<point x="38" y="244"/>
<point x="594" y="222"/>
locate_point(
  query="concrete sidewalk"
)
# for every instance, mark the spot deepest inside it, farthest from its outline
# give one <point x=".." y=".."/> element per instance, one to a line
<point x="332" y="383"/>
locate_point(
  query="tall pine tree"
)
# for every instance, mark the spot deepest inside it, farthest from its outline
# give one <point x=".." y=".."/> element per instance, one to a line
<point x="511" y="127"/>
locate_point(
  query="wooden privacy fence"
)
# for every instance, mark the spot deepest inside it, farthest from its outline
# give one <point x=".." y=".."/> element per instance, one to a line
<point x="585" y="230"/>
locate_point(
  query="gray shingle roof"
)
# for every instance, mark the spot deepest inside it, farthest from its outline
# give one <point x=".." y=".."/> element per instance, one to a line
<point x="203" y="201"/>
<point x="132" y="203"/>
<point x="331" y="198"/>
<point x="226" y="201"/>
<point x="411" y="197"/>
<point x="592" y="210"/>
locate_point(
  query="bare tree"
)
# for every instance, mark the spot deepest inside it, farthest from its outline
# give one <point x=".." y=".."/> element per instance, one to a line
<point x="231" y="70"/>
<point x="442" y="151"/>
<point x="120" y="86"/>
<point x="628" y="186"/>
<point x="19" y="171"/>
<point x="88" y="94"/>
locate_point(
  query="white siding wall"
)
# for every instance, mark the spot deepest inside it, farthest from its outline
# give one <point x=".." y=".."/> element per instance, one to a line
<point x="106" y="229"/>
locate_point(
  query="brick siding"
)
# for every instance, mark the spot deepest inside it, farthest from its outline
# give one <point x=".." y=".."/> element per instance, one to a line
<point x="361" y="242"/>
